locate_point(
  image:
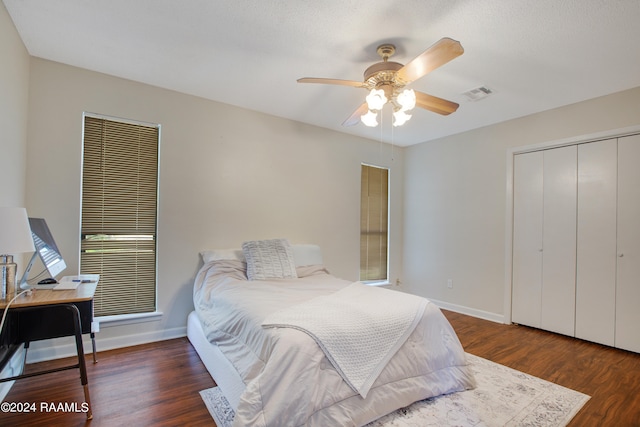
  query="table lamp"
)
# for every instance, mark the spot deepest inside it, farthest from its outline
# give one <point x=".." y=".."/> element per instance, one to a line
<point x="15" y="237"/>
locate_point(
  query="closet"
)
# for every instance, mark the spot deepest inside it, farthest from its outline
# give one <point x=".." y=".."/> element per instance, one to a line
<point x="576" y="241"/>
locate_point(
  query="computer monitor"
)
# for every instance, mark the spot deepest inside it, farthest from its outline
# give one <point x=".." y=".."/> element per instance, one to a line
<point x="46" y="248"/>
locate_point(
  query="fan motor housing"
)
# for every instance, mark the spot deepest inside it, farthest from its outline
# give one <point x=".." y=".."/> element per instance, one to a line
<point x="379" y="67"/>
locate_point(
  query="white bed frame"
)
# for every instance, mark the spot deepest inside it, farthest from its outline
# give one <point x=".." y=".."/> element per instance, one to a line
<point x="222" y="371"/>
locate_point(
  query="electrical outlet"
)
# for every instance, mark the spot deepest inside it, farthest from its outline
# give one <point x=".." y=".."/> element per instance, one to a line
<point x="450" y="283"/>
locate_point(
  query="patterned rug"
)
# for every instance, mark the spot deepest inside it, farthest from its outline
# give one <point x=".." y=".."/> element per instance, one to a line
<point x="504" y="397"/>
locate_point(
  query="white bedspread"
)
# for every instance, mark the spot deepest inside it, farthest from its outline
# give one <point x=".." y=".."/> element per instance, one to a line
<point x="289" y="380"/>
<point x="359" y="328"/>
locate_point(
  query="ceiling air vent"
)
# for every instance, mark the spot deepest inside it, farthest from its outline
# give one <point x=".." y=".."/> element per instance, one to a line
<point x="478" y="93"/>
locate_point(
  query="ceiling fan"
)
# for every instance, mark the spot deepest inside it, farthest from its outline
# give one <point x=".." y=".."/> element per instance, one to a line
<point x="386" y="81"/>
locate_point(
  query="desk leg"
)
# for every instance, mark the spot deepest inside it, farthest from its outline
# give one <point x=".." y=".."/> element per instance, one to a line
<point x="24" y="360"/>
<point x="81" y="362"/>
<point x="93" y="346"/>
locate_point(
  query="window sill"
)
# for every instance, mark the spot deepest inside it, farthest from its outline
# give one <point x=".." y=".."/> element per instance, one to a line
<point x="128" y="319"/>
<point x="380" y="283"/>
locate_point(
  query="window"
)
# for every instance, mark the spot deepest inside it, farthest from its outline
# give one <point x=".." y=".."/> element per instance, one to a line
<point x="119" y="213"/>
<point x="374" y="214"/>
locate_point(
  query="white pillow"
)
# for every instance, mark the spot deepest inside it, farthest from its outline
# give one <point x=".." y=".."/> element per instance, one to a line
<point x="222" y="254"/>
<point x="269" y="259"/>
<point x="306" y="254"/>
<point x="303" y="254"/>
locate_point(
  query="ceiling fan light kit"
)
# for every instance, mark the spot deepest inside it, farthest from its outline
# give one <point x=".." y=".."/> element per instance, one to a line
<point x="402" y="103"/>
<point x="376" y="99"/>
<point x="386" y="83"/>
<point x="370" y="118"/>
<point x="400" y="117"/>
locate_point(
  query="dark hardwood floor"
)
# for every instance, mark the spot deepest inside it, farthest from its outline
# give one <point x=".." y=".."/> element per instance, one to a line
<point x="153" y="384"/>
<point x="610" y="376"/>
<point x="157" y="384"/>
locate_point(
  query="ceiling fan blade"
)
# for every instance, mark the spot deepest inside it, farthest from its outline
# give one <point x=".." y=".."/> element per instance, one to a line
<point x="331" y="81"/>
<point x="435" y="104"/>
<point x="354" y="118"/>
<point x="441" y="52"/>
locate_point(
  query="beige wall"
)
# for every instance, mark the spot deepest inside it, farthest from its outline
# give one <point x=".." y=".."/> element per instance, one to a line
<point x="456" y="200"/>
<point x="226" y="175"/>
<point x="14" y="89"/>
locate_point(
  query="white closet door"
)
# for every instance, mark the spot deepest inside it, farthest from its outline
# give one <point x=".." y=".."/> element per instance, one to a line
<point x="559" y="240"/>
<point x="596" y="242"/>
<point x="628" y="282"/>
<point x="527" y="239"/>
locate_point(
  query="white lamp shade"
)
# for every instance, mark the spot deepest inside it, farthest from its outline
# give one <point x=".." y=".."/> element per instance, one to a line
<point x="400" y="118"/>
<point x="15" y="233"/>
<point x="376" y="99"/>
<point x="407" y="99"/>
<point x="370" y="119"/>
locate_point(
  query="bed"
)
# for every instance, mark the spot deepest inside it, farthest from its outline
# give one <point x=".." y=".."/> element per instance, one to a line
<point x="270" y="326"/>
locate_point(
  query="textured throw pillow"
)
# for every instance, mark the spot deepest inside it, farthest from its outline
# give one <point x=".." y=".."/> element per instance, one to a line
<point x="269" y="259"/>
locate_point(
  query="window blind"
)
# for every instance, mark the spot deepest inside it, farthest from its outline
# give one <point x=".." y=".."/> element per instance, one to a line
<point x="119" y="214"/>
<point x="374" y="208"/>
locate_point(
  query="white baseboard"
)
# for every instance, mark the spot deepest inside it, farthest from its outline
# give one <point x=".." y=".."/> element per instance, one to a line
<point x="486" y="315"/>
<point x="65" y="347"/>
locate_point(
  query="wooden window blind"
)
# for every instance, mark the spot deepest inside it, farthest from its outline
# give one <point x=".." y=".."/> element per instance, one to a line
<point x="374" y="214"/>
<point x="119" y="207"/>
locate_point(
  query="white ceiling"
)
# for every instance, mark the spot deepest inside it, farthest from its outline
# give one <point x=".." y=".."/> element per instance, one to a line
<point x="534" y="54"/>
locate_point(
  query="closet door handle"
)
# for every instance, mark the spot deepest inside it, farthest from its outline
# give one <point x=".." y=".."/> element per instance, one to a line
<point x="620" y="256"/>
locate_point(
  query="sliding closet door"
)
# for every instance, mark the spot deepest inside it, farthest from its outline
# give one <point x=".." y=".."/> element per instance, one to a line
<point x="628" y="281"/>
<point x="527" y="239"/>
<point x="596" y="242"/>
<point x="559" y="240"/>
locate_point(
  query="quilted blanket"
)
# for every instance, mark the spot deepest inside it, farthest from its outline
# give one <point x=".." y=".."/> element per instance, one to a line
<point x="359" y="328"/>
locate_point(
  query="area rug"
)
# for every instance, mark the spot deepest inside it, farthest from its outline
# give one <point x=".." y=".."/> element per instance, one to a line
<point x="503" y="397"/>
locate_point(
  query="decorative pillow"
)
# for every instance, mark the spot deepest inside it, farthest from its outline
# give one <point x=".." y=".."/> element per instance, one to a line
<point x="269" y="259"/>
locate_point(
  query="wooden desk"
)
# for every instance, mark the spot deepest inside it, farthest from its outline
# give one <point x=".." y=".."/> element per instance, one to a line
<point x="84" y="292"/>
<point x="50" y="314"/>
